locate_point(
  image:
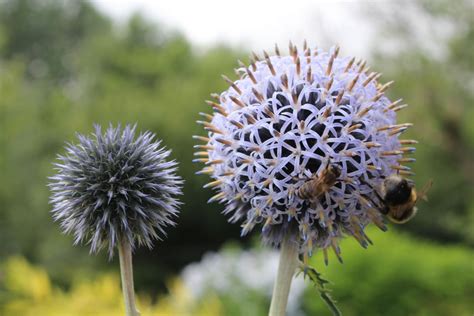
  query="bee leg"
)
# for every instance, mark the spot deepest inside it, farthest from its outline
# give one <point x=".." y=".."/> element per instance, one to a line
<point x="328" y="162"/>
<point x="381" y="207"/>
<point x="381" y="199"/>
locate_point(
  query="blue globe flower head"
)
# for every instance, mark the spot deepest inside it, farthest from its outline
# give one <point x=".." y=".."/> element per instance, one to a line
<point x="298" y="145"/>
<point x="114" y="185"/>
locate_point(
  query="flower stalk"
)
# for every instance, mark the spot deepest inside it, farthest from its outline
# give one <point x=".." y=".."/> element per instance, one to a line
<point x="126" y="273"/>
<point x="286" y="270"/>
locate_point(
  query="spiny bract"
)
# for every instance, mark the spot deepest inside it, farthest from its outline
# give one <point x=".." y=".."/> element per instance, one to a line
<point x="112" y="186"/>
<point x="281" y="124"/>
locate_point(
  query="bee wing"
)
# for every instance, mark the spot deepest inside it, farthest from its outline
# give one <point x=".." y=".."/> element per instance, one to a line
<point x="425" y="189"/>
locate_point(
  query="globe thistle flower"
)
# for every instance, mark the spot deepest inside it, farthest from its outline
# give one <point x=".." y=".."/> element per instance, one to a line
<point x="114" y="186"/>
<point x="115" y="190"/>
<point x="281" y="124"/>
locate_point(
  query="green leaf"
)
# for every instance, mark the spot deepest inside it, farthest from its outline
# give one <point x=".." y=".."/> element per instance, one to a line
<point x="320" y="283"/>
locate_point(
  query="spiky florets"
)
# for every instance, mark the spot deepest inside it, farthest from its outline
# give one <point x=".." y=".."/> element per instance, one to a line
<point x="112" y="186"/>
<point x="281" y="124"/>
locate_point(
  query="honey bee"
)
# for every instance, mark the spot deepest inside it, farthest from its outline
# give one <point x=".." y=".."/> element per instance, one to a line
<point x="313" y="189"/>
<point x="318" y="185"/>
<point x="398" y="197"/>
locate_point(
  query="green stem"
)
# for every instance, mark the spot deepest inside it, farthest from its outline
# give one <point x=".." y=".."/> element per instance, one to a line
<point x="126" y="272"/>
<point x="286" y="271"/>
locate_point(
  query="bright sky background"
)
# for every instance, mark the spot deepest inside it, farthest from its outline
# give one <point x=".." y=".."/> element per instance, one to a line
<point x="256" y="24"/>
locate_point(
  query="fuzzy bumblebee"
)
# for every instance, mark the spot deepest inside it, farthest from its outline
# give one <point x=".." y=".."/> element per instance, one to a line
<point x="281" y="125"/>
<point x="115" y="186"/>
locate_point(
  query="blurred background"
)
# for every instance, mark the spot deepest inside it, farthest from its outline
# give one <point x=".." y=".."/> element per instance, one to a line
<point x="65" y="65"/>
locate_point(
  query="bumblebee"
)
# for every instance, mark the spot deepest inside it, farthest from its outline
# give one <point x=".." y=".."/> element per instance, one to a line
<point x="398" y="198"/>
<point x="318" y="185"/>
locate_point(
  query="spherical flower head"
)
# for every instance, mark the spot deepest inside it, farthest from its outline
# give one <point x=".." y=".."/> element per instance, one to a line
<point x="286" y="121"/>
<point x="111" y="186"/>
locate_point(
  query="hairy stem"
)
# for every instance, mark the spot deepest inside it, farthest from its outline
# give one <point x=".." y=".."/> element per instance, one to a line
<point x="126" y="273"/>
<point x="286" y="271"/>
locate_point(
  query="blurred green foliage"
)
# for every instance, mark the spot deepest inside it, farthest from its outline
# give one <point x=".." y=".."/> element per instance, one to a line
<point x="142" y="75"/>
<point x="399" y="275"/>
<point x="387" y="279"/>
<point x="65" y="66"/>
